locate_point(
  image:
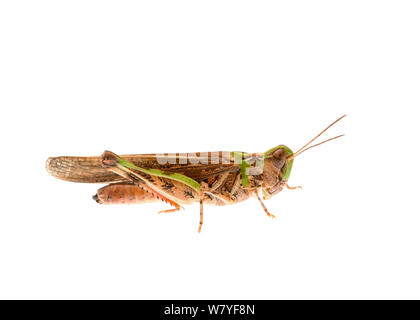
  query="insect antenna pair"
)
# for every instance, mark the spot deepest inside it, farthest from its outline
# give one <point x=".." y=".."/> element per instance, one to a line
<point x="306" y="147"/>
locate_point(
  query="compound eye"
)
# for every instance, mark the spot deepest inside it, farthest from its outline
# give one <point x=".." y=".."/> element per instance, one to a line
<point x="279" y="158"/>
<point x="278" y="154"/>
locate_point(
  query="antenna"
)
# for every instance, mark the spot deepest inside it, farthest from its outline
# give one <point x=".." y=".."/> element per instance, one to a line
<point x="301" y="150"/>
<point x="315" y="145"/>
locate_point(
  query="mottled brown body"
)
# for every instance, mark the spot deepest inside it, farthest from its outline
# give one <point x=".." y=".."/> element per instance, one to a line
<point x="220" y="183"/>
<point x="218" y="178"/>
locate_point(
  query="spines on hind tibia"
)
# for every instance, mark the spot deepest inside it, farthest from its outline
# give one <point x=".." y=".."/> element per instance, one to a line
<point x="123" y="193"/>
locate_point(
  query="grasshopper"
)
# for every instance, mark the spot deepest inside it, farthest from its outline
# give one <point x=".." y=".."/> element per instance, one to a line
<point x="218" y="178"/>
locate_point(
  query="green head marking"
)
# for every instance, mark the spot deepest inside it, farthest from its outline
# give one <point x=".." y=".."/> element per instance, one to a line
<point x="289" y="159"/>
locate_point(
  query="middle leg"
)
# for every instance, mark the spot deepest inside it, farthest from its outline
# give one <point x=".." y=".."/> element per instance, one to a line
<point x="263" y="205"/>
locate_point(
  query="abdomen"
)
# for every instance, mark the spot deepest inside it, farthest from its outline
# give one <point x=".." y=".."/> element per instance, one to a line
<point x="123" y="193"/>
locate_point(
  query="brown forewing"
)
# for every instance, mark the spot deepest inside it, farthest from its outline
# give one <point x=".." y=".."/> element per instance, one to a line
<point x="89" y="169"/>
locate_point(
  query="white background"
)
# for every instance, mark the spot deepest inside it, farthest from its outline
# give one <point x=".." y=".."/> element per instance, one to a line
<point x="79" y="77"/>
